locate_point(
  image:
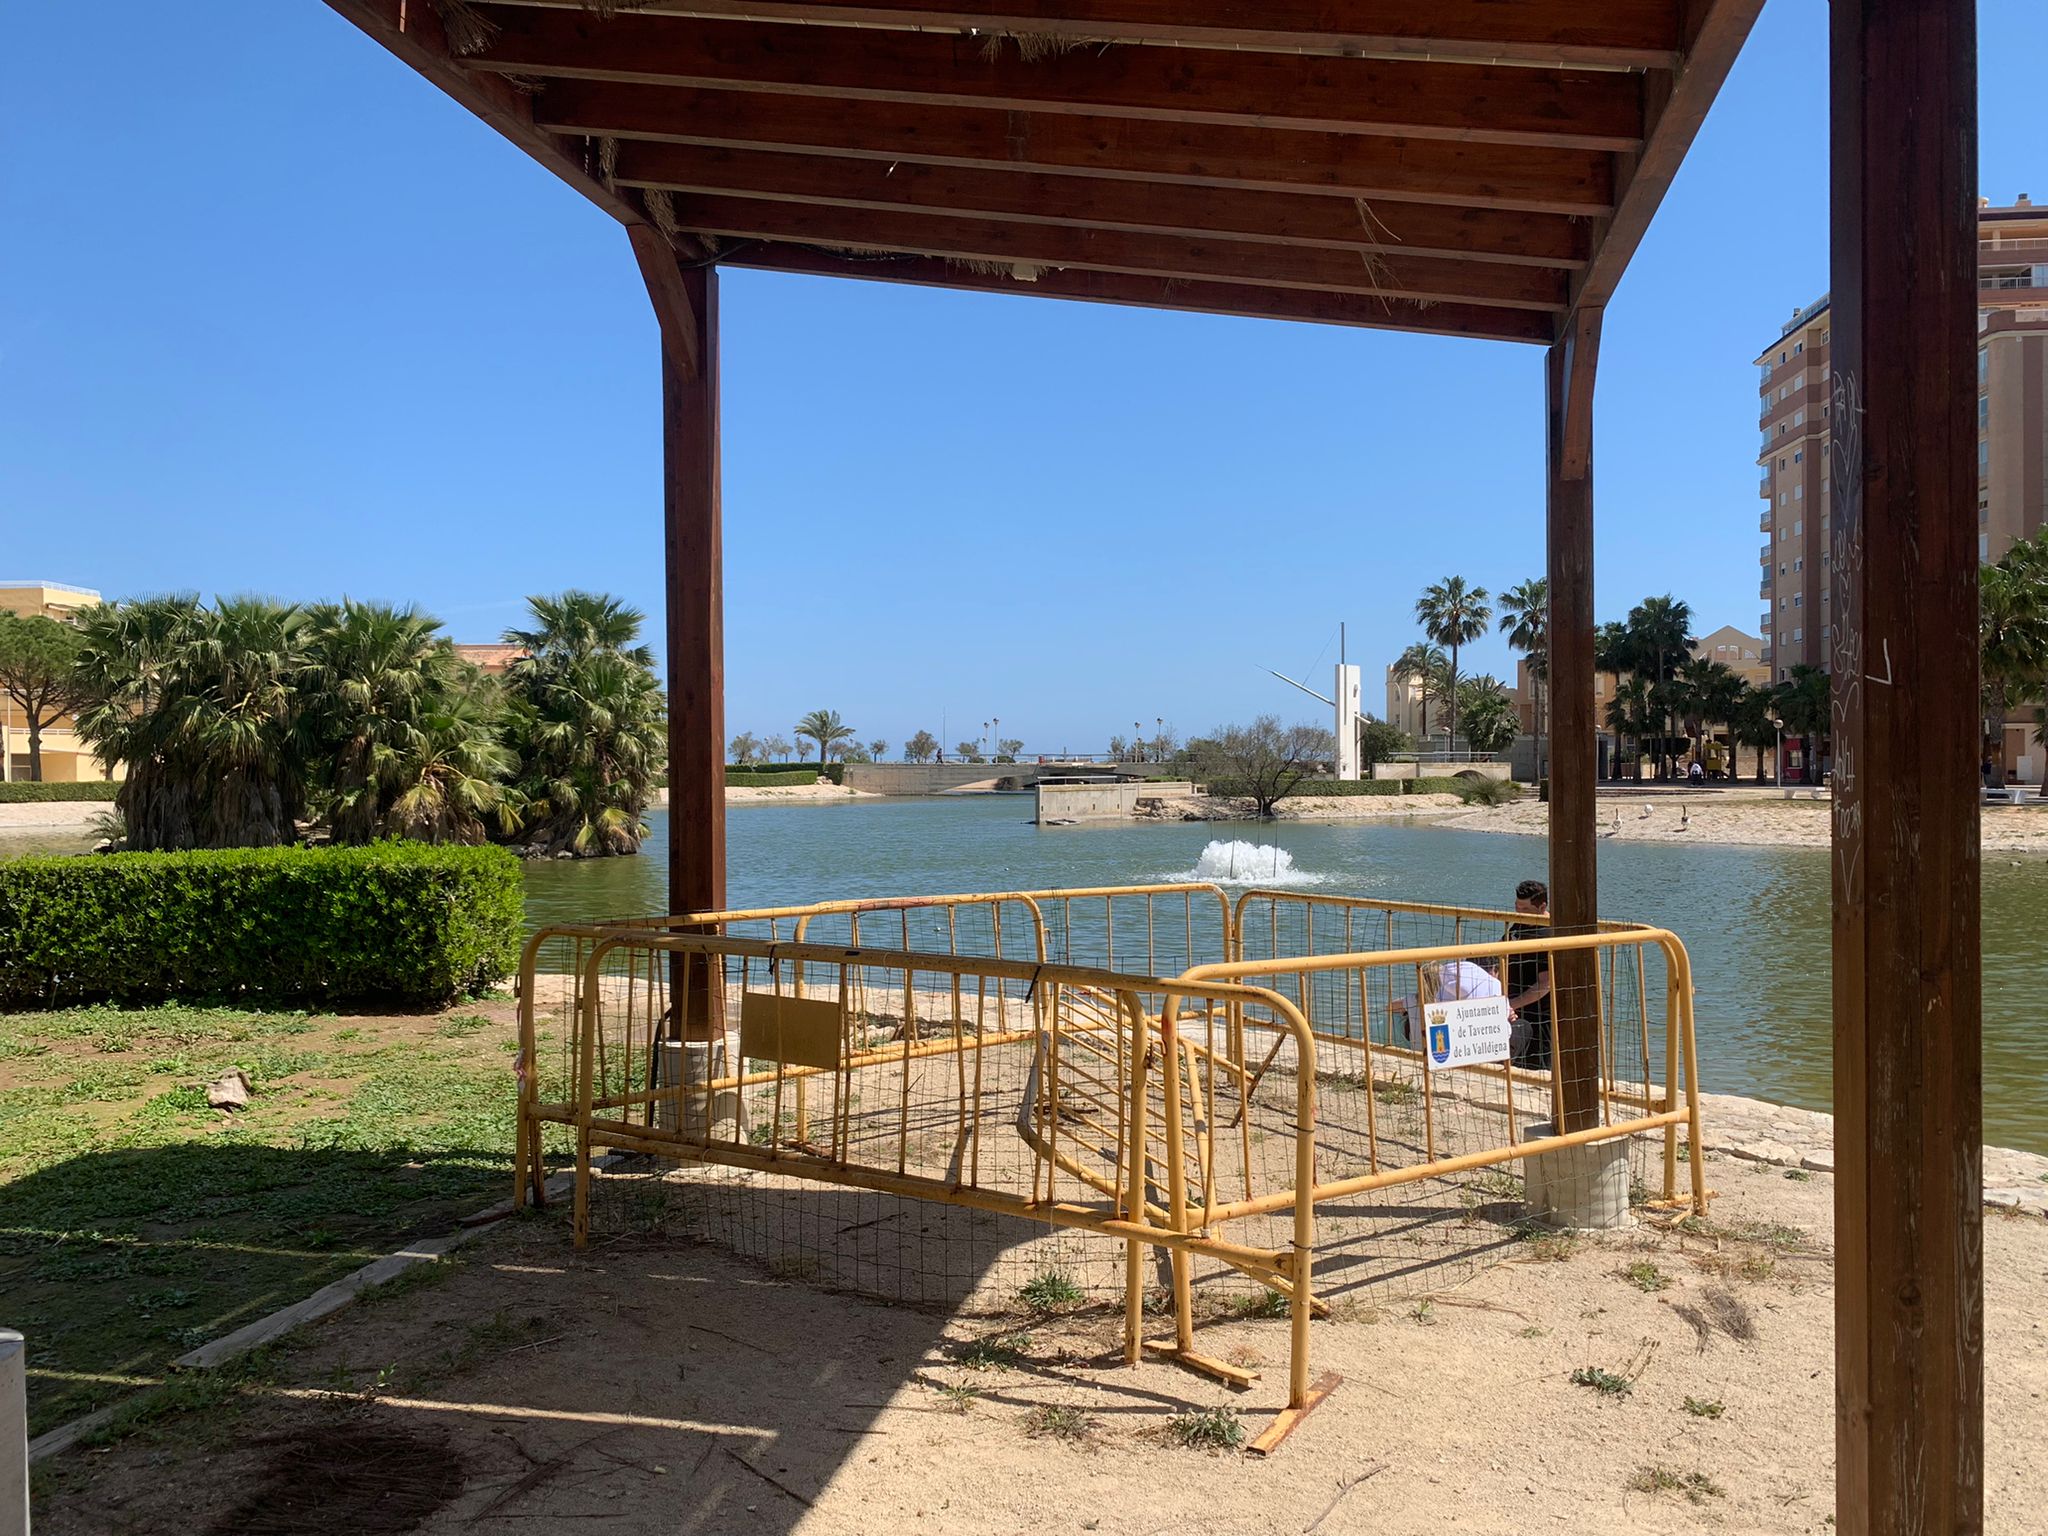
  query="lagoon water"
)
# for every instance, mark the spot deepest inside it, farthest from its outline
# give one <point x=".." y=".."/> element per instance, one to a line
<point x="1754" y="919"/>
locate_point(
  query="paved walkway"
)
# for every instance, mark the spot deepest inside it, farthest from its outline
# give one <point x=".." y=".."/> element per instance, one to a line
<point x="1805" y="1138"/>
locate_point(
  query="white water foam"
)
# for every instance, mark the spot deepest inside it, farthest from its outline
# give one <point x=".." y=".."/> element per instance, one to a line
<point x="1237" y="862"/>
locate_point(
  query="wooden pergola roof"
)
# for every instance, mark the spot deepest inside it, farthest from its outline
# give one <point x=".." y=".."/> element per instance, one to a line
<point x="1465" y="167"/>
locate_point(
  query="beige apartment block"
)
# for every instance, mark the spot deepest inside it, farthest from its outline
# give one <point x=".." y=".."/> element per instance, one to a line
<point x="66" y="759"/>
<point x="1797" y="402"/>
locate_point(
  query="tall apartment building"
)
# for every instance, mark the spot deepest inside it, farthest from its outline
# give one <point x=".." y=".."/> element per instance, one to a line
<point x="1797" y="386"/>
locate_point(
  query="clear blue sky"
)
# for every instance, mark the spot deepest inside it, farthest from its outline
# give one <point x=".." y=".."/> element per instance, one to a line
<point x="277" y="317"/>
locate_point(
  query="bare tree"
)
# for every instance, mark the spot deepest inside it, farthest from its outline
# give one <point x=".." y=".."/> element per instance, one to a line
<point x="1264" y="761"/>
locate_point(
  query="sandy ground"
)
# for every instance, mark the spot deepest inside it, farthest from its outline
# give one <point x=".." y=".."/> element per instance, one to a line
<point x="1732" y="816"/>
<point x="659" y="1385"/>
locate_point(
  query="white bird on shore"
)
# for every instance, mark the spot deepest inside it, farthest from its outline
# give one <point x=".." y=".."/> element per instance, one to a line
<point x="1617" y="821"/>
<point x="1646" y="814"/>
<point x="1684" y="818"/>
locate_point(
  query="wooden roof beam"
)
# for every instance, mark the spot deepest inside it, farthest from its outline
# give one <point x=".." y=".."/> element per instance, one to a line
<point x="1036" y="246"/>
<point x="1677" y="106"/>
<point x="413" y="32"/>
<point x="1567" y="181"/>
<point x="1477" y="103"/>
<point x="1202" y="297"/>
<point x="1281" y="218"/>
<point x="1628" y="34"/>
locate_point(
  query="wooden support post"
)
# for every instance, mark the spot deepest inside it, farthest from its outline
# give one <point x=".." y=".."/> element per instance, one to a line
<point x="1909" y="1318"/>
<point x="686" y="303"/>
<point x="1574" y="750"/>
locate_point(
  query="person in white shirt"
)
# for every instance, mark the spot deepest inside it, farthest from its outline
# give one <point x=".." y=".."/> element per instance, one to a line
<point x="1448" y="982"/>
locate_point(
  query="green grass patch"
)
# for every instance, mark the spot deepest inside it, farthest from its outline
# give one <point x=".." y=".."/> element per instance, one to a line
<point x="141" y="1223"/>
<point x="1705" y="1407"/>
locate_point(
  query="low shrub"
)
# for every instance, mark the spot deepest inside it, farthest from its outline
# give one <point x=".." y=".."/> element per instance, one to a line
<point x="1336" y="787"/>
<point x="746" y="778"/>
<point x="1478" y="791"/>
<point x="836" y="772"/>
<point x="407" y="924"/>
<point x="23" y="793"/>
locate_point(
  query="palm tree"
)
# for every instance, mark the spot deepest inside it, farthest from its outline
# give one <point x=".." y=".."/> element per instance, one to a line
<point x="1490" y="724"/>
<point x="1708" y="692"/>
<point x="1660" y="631"/>
<point x="1525" y="620"/>
<point x="587" y="719"/>
<point x="1422" y="663"/>
<point x="1453" y="615"/>
<point x="825" y="728"/>
<point x="391" y="721"/>
<point x="2013" y="632"/>
<point x="1632" y="715"/>
<point x="1614" y="654"/>
<point x="201" y="706"/>
<point x="1754" y="721"/>
<point x="1803" y="704"/>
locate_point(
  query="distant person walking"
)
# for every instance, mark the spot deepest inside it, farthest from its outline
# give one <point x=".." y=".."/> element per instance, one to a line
<point x="1529" y="993"/>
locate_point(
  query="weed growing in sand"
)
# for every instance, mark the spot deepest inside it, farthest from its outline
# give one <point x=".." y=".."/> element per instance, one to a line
<point x="1394" y="1093"/>
<point x="995" y="1352"/>
<point x="1798" y="1175"/>
<point x="1056" y="1421"/>
<point x="1758" y="1268"/>
<point x="1657" y="1478"/>
<point x="1424" y="1312"/>
<point x="959" y="1396"/>
<point x="1219" y="1429"/>
<point x="1646" y="1277"/>
<point x="1049" y="1290"/>
<point x="1265" y="1304"/>
<point x="1705" y="1408"/>
<point x="1534" y="1332"/>
<point x="1547" y="1245"/>
<point x="1602" y="1380"/>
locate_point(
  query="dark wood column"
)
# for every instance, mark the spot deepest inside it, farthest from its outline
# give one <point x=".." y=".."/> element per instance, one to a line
<point x="686" y="301"/>
<point x="1909" y="1340"/>
<point x="1574" y="752"/>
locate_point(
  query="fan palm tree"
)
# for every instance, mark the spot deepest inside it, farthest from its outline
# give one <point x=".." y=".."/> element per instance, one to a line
<point x="201" y="706"/>
<point x="1525" y="620"/>
<point x="586" y="717"/>
<point x="1424" y="665"/>
<point x="404" y="742"/>
<point x="1489" y="716"/>
<point x="1453" y="615"/>
<point x="825" y="728"/>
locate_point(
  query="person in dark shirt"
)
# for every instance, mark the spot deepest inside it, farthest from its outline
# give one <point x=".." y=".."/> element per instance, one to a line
<point x="1528" y="985"/>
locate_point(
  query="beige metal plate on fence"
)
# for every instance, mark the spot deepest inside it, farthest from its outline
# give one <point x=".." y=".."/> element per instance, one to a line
<point x="796" y="1031"/>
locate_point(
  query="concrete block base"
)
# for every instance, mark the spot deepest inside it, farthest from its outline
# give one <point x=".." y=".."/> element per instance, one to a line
<point x="1584" y="1187"/>
<point x="693" y="1063"/>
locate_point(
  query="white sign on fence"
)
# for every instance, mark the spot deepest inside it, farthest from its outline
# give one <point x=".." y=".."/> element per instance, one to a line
<point x="1467" y="1032"/>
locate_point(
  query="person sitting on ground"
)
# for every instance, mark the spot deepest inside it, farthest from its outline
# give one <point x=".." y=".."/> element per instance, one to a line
<point x="1529" y="982"/>
<point x="1448" y="982"/>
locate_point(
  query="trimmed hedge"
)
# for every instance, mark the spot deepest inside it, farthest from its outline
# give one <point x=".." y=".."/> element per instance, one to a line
<point x="836" y="772"/>
<point x="747" y="778"/>
<point x="405" y="924"/>
<point x="22" y="792"/>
